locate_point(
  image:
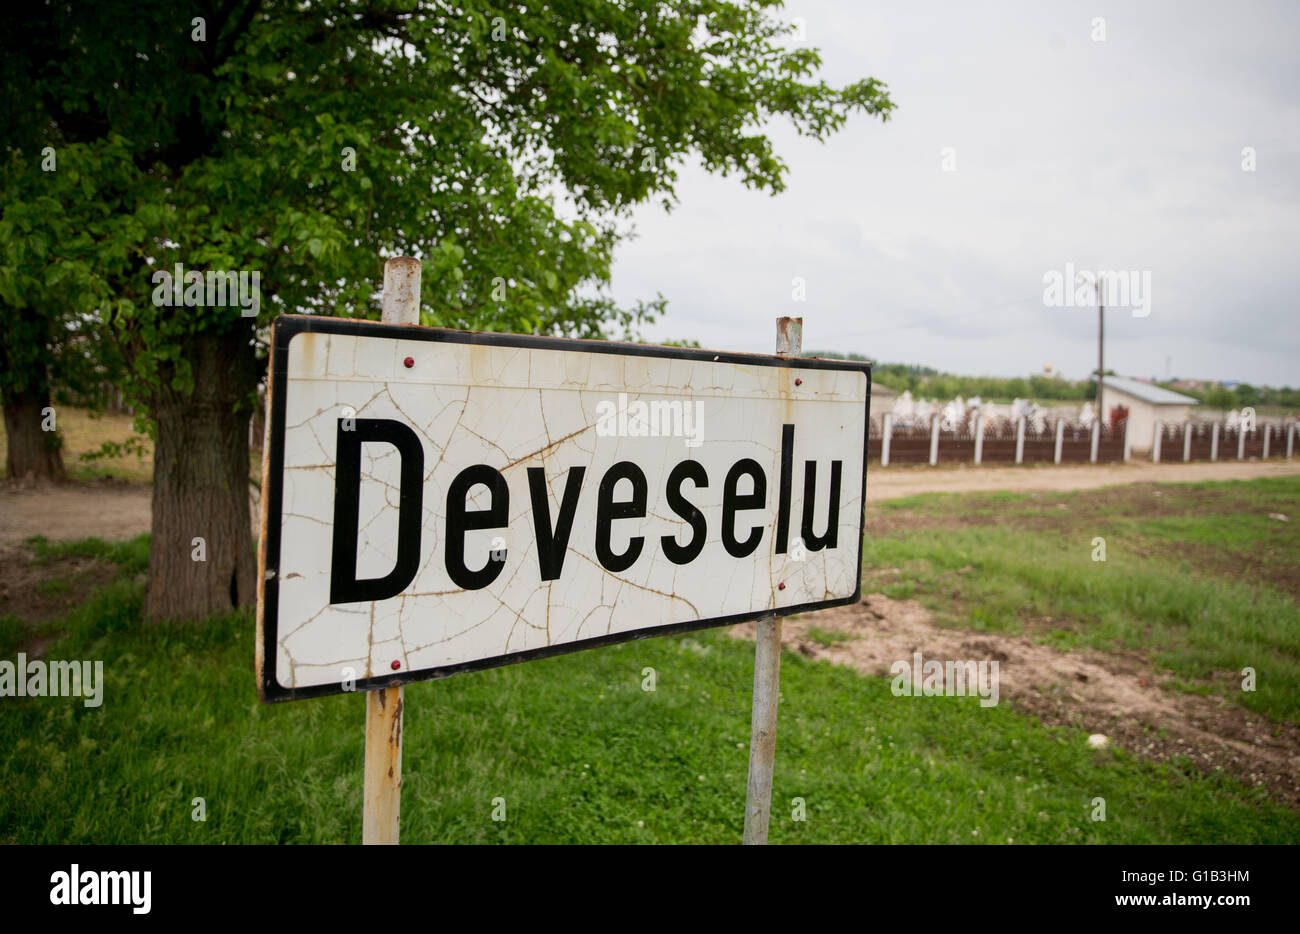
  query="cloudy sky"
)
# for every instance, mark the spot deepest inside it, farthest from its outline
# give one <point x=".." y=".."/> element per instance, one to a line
<point x="1123" y="154"/>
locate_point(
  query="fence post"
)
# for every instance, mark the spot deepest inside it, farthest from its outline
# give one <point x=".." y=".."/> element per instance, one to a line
<point x="1187" y="442"/>
<point x="1060" y="436"/>
<point x="1241" y="442"/>
<point x="1126" y="447"/>
<point x="934" y="440"/>
<point x="1156" y="438"/>
<point x="1268" y="430"/>
<point x="1096" y="439"/>
<point x="886" y="430"/>
<point x="1214" y="442"/>
<point x="979" y="437"/>
<point x="1020" y="440"/>
<point x="1290" y="439"/>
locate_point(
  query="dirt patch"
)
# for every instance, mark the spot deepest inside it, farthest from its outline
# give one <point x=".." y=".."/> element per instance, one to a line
<point x="37" y="591"/>
<point x="1118" y="695"/>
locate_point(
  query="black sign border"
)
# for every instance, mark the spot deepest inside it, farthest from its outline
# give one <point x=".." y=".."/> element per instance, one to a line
<point x="283" y="330"/>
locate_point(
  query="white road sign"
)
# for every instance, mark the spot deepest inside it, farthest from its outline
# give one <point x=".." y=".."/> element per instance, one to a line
<point x="441" y="501"/>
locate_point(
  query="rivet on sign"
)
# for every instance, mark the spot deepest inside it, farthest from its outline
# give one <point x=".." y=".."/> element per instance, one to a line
<point x="396" y="664"/>
<point x="410" y="362"/>
<point x="798" y="382"/>
<point x="781" y="586"/>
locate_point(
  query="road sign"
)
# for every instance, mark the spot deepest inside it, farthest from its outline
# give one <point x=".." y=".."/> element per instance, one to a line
<point x="442" y="501"/>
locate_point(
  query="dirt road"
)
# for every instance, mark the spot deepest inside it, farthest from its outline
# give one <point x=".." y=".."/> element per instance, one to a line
<point x="116" y="510"/>
<point x="72" y="511"/>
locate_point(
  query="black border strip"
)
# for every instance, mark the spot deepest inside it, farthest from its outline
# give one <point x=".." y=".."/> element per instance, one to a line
<point x="283" y="330"/>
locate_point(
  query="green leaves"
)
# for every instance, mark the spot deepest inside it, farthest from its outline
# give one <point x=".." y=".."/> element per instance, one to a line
<point x="307" y="144"/>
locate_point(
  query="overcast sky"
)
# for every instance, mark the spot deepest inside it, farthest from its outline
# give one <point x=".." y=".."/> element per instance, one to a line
<point x="1117" y="155"/>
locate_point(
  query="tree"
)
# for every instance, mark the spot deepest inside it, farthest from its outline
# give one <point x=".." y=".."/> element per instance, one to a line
<point x="502" y="145"/>
<point x="51" y="256"/>
<point x="33" y="451"/>
<point x="1220" y="397"/>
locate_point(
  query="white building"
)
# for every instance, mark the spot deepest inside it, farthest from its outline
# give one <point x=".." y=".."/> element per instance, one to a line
<point x="1146" y="404"/>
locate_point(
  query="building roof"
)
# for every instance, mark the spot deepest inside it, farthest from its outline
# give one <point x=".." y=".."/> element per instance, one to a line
<point x="1147" y="392"/>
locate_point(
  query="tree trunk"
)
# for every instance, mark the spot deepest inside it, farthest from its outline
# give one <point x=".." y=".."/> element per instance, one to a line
<point x="201" y="558"/>
<point x="32" y="454"/>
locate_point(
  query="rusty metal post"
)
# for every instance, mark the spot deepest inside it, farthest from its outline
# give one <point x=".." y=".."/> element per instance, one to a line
<point x="382" y="793"/>
<point x="767" y="671"/>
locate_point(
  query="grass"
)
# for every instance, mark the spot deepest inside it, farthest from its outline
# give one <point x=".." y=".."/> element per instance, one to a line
<point x="131" y="555"/>
<point x="574" y="746"/>
<point x="827" y="639"/>
<point x="1196" y="577"/>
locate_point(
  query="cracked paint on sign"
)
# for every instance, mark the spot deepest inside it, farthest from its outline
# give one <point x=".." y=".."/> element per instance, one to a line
<point x="513" y="408"/>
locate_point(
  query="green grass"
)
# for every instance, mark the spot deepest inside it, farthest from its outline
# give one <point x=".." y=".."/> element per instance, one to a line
<point x="12" y="632"/>
<point x="827" y="639"/>
<point x="579" y="752"/>
<point x="131" y="555"/>
<point x="1197" y="588"/>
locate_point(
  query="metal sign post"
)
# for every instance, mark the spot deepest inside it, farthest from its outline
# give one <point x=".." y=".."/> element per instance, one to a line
<point x="767" y="670"/>
<point x="382" y="794"/>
